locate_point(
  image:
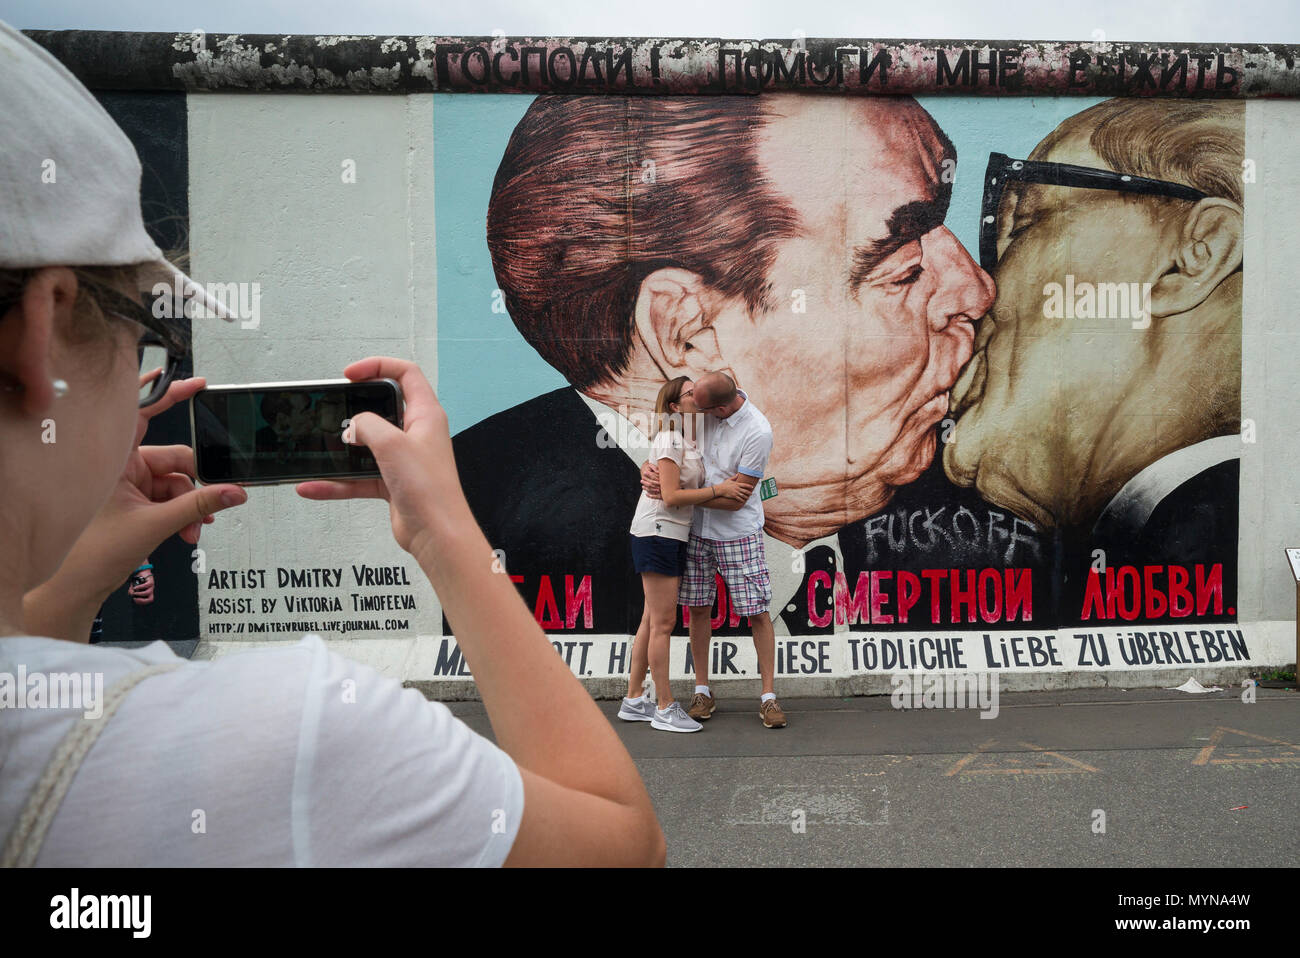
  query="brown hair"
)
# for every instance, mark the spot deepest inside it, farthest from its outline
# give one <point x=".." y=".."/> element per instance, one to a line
<point x="1200" y="143"/>
<point x="594" y="193"/>
<point x="669" y="393"/>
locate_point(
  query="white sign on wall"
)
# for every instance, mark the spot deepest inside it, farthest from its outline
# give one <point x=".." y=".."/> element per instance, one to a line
<point x="1293" y="556"/>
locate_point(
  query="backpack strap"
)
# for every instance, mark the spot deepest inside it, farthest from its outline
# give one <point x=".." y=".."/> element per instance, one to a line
<point x="24" y="844"/>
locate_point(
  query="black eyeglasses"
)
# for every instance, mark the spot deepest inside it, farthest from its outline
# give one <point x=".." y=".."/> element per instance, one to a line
<point x="1002" y="169"/>
<point x="162" y="345"/>
<point x="153" y="355"/>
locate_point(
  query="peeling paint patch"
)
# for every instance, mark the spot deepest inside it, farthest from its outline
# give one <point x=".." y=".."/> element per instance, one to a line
<point x="704" y="65"/>
<point x="334" y="40"/>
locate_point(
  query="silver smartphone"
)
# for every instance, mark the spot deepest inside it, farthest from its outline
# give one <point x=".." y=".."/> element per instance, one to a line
<point x="266" y="433"/>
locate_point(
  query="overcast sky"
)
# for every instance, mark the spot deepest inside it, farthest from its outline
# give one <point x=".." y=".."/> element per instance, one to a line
<point x="1255" y="21"/>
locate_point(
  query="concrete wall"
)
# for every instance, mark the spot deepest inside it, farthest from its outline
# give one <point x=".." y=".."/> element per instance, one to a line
<point x="1093" y="452"/>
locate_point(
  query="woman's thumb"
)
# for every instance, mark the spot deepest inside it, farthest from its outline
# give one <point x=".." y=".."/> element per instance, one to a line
<point x="193" y="507"/>
<point x="371" y="430"/>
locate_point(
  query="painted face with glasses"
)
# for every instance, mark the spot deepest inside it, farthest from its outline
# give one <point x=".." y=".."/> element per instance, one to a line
<point x="1063" y="403"/>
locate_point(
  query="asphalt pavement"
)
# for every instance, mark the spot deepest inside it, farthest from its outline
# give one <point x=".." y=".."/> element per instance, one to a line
<point x="1097" y="777"/>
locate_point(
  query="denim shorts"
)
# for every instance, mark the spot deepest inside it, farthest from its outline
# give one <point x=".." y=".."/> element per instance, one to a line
<point x="659" y="554"/>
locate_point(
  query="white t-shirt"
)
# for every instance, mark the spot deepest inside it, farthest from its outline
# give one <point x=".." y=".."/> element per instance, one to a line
<point x="654" y="517"/>
<point x="269" y="757"/>
<point x="741" y="443"/>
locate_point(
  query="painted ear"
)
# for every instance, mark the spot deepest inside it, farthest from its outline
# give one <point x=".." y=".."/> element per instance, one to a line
<point x="672" y="322"/>
<point x="1209" y="250"/>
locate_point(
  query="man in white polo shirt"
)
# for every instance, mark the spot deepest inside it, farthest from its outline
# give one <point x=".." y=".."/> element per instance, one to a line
<point x="727" y="537"/>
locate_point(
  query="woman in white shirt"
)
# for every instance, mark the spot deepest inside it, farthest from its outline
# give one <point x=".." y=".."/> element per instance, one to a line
<point x="660" y="530"/>
<point x="283" y="767"/>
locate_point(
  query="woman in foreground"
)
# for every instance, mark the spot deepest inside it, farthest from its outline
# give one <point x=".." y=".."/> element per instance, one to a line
<point x="283" y="756"/>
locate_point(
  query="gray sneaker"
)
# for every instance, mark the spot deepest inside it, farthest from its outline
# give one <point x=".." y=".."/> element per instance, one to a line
<point x="632" y="712"/>
<point x="674" y="719"/>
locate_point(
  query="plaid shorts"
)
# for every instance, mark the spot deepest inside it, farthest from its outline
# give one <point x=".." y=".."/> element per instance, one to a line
<point x="743" y="564"/>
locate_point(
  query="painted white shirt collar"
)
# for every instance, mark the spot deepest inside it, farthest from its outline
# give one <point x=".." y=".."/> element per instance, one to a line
<point x="1138" y="498"/>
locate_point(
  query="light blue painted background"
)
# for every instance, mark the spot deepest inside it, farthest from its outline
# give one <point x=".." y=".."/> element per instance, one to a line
<point x="484" y="365"/>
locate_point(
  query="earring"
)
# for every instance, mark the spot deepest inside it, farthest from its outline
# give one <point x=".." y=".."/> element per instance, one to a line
<point x="60" y="388"/>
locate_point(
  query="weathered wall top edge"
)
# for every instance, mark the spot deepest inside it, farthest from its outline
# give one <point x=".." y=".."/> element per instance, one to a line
<point x="108" y="60"/>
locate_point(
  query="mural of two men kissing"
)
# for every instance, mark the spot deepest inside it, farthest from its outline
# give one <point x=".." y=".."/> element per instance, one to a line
<point x="1036" y="423"/>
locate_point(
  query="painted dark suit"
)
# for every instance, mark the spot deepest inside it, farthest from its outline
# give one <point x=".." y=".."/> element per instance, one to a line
<point x="558" y="499"/>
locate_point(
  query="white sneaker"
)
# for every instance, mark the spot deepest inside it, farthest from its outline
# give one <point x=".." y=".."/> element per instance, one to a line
<point x="630" y="711"/>
<point x="674" y="719"/>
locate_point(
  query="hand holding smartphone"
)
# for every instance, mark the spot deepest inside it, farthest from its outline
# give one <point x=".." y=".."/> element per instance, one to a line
<point x="267" y="433"/>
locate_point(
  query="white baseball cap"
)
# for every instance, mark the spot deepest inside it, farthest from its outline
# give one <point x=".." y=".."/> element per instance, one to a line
<point x="70" y="178"/>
